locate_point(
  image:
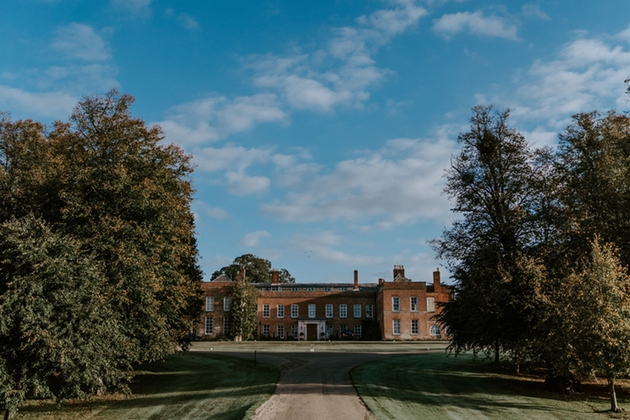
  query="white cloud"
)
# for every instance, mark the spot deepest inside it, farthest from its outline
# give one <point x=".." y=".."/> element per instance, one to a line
<point x="342" y="72"/>
<point x="137" y="8"/>
<point x="203" y="209"/>
<point x="534" y="11"/>
<point x="253" y="239"/>
<point x="322" y="246"/>
<point x="80" y="41"/>
<point x="239" y="183"/>
<point x="475" y="23"/>
<point x="585" y="75"/>
<point x="400" y="183"/>
<point x="216" y="117"/>
<point x="56" y="105"/>
<point x="188" y="22"/>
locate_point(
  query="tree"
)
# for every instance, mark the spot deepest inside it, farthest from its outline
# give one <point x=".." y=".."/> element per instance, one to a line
<point x="589" y="319"/>
<point x="258" y="270"/>
<point x="491" y="182"/>
<point x="243" y="310"/>
<point x="105" y="180"/>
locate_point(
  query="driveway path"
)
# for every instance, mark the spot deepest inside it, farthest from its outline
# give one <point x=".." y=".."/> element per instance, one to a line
<point x="316" y="385"/>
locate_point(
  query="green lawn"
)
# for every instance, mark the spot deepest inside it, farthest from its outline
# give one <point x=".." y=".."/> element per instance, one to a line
<point x="434" y="386"/>
<point x="186" y="386"/>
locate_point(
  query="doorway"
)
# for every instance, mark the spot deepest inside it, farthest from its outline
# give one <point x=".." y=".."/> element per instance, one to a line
<point x="311" y="332"/>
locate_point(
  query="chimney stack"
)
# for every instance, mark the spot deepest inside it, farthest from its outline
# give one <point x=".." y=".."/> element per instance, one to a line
<point x="380" y="281"/>
<point x="399" y="270"/>
<point x="356" y="279"/>
<point x="436" y="280"/>
<point x="275" y="276"/>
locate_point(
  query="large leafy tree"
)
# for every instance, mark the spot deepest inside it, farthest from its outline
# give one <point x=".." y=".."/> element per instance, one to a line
<point x="491" y="183"/>
<point x="107" y="181"/>
<point x="258" y="270"/>
<point x="243" y="310"/>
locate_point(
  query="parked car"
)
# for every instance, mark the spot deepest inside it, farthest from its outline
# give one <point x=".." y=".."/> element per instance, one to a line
<point x="347" y="335"/>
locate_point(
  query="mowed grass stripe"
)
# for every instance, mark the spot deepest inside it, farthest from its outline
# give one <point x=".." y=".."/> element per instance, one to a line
<point x="434" y="386"/>
<point x="186" y="386"/>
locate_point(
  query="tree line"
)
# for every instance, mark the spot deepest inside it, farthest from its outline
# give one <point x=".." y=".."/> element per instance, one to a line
<point x="98" y="258"/>
<point x="541" y="251"/>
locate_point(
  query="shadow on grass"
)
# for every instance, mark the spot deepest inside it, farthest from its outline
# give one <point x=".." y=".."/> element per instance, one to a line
<point x="436" y="382"/>
<point x="185" y="385"/>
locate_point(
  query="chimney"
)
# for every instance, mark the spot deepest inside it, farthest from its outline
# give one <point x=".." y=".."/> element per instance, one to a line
<point x="380" y="281"/>
<point x="436" y="280"/>
<point x="356" y="279"/>
<point x="399" y="270"/>
<point x="240" y="275"/>
<point x="275" y="276"/>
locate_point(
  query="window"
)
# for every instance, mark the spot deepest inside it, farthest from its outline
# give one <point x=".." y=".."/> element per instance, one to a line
<point x="311" y="310"/>
<point x="357" y="331"/>
<point x="295" y="289"/>
<point x="309" y="289"/>
<point x="227" y="302"/>
<point x="430" y="305"/>
<point x="265" y="331"/>
<point x="357" y="311"/>
<point x="342" y="328"/>
<point x="266" y="310"/>
<point x="275" y="288"/>
<point x="435" y="330"/>
<point x="209" y="325"/>
<point x="280" y="331"/>
<point x="413" y="304"/>
<point x="369" y="310"/>
<point x="327" y="289"/>
<point x="294" y="311"/>
<point x="414" y="327"/>
<point x="294" y="331"/>
<point x="329" y="310"/>
<point x="280" y="311"/>
<point x="226" y="325"/>
<point x="343" y="311"/>
<point x="395" y="304"/>
<point x="209" y="303"/>
<point x="397" y="327"/>
<point x="329" y="331"/>
<point x="343" y="289"/>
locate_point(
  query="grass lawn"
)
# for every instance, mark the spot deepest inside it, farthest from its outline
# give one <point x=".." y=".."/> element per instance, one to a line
<point x="434" y="386"/>
<point x="186" y="386"/>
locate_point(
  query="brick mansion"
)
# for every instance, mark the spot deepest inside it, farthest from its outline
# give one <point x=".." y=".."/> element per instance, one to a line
<point x="400" y="309"/>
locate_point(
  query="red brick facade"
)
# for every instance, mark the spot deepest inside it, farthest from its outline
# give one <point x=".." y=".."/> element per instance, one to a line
<point x="400" y="309"/>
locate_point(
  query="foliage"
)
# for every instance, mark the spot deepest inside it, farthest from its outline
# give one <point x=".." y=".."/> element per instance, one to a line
<point x="258" y="270"/>
<point x="243" y="310"/>
<point x="491" y="184"/>
<point x="589" y="317"/>
<point x="105" y="181"/>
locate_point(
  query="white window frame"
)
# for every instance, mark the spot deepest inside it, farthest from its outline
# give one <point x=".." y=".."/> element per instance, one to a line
<point x="415" y="327"/>
<point x="413" y="303"/>
<point x="266" y="310"/>
<point x="395" y="303"/>
<point x="295" y="310"/>
<point x="369" y="310"/>
<point x="226" y="325"/>
<point x="209" y="325"/>
<point x="329" y="310"/>
<point x="430" y="304"/>
<point x="357" y="310"/>
<point x="329" y="331"/>
<point x="294" y="331"/>
<point x="343" y="310"/>
<point x="435" y="331"/>
<point x="280" y="311"/>
<point x="357" y="331"/>
<point x="266" y="330"/>
<point x="209" y="303"/>
<point x="396" y="327"/>
<point x="280" y="331"/>
<point x="227" y="302"/>
<point x="312" y="310"/>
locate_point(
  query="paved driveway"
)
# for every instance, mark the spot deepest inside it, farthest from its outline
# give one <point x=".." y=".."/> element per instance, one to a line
<point x="315" y="382"/>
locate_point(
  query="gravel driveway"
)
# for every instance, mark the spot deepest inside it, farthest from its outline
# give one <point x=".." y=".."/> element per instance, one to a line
<point x="316" y="385"/>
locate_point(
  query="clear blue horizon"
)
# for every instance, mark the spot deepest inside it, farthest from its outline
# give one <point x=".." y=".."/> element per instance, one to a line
<point x="320" y="130"/>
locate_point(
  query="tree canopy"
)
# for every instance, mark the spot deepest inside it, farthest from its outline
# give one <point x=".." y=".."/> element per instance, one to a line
<point x="258" y="270"/>
<point x="115" y="276"/>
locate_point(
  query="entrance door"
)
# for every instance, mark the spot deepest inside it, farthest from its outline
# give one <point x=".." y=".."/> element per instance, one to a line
<point x="311" y="332"/>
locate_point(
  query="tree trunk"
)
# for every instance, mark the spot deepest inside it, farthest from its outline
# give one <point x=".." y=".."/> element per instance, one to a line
<point x="613" y="396"/>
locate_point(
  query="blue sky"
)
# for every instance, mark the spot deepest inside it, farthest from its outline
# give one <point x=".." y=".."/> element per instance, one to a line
<point x="320" y="129"/>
